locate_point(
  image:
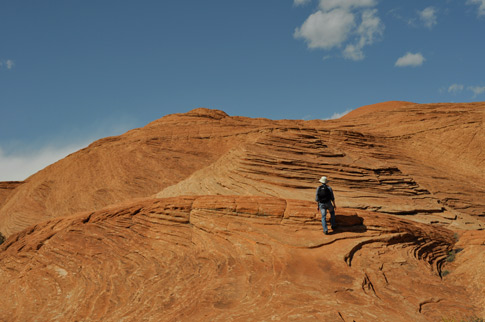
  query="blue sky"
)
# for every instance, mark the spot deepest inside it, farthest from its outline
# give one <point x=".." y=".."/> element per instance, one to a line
<point x="73" y="71"/>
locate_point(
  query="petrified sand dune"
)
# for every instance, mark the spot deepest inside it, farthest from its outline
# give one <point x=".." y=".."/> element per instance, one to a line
<point x="389" y="159"/>
<point x="383" y="107"/>
<point x="206" y="217"/>
<point x="221" y="258"/>
<point x="396" y="157"/>
<point x="440" y="145"/>
<point x="137" y="164"/>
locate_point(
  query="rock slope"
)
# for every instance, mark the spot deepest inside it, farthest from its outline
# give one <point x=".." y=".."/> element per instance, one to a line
<point x="228" y="258"/>
<point x="402" y="158"/>
<point x="6" y="189"/>
<point x="205" y="217"/>
<point x="440" y="145"/>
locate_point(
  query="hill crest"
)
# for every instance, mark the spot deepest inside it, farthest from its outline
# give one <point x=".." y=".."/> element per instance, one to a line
<point x="237" y="155"/>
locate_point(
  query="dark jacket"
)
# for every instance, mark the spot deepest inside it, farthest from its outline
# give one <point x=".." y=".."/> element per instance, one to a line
<point x="332" y="198"/>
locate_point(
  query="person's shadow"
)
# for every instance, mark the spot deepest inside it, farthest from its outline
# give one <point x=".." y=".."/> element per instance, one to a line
<point x="349" y="223"/>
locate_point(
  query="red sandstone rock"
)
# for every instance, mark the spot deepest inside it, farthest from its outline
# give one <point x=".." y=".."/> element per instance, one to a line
<point x="240" y="238"/>
<point x="465" y="266"/>
<point x="441" y="146"/>
<point x="221" y="258"/>
<point x="6" y="189"/>
<point x="391" y="158"/>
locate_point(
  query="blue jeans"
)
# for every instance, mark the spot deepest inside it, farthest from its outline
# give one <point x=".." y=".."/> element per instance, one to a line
<point x="323" y="209"/>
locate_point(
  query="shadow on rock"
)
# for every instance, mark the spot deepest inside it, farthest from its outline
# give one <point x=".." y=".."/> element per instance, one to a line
<point x="349" y="223"/>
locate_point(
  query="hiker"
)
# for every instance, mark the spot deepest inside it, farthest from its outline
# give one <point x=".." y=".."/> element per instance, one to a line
<point x="326" y="201"/>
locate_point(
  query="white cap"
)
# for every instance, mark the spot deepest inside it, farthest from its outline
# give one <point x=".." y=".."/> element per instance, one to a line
<point x="323" y="179"/>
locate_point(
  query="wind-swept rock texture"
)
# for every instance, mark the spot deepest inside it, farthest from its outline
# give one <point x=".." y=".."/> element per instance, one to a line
<point x="6" y="189"/>
<point x="397" y="157"/>
<point x="227" y="258"/>
<point x="466" y="266"/>
<point x="441" y="146"/>
<point x="206" y="217"/>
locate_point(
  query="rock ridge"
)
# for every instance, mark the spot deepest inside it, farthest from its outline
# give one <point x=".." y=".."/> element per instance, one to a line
<point x="401" y="158"/>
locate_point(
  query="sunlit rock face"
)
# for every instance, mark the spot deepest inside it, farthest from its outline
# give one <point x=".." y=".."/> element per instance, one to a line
<point x="6" y="189"/>
<point x="203" y="216"/>
<point x="221" y="258"/>
<point x="401" y="158"/>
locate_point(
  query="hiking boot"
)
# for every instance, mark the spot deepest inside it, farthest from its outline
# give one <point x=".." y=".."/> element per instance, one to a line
<point x="325" y="232"/>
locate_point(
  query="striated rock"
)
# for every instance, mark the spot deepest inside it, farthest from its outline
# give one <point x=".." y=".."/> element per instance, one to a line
<point x="401" y="158"/>
<point x="206" y="217"/>
<point x="288" y="163"/>
<point x="137" y="164"/>
<point x="465" y="265"/>
<point x="377" y="158"/>
<point x="228" y="258"/>
<point x="7" y="188"/>
<point x="439" y="145"/>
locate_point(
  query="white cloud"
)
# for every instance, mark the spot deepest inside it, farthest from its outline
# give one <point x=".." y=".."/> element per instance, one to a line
<point x="410" y="59"/>
<point x="481" y="6"/>
<point x="335" y="25"/>
<point x="9" y="63"/>
<point x="18" y="167"/>
<point x="328" y="5"/>
<point x="455" y="88"/>
<point x="458" y="88"/>
<point x="353" y="52"/>
<point x="338" y="115"/>
<point x="477" y="90"/>
<point x="326" y="29"/>
<point x="301" y="2"/>
<point x="371" y="26"/>
<point x="428" y="16"/>
<point x="369" y="29"/>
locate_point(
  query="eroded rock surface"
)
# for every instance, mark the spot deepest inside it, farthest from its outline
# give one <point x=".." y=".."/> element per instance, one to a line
<point x="439" y="145"/>
<point x="401" y="158"/>
<point x="6" y="189"/>
<point x="221" y="258"/>
<point x="465" y="266"/>
<point x="206" y="217"/>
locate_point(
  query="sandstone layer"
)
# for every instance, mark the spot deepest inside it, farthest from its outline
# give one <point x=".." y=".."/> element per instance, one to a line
<point x="202" y="216"/>
<point x="440" y="145"/>
<point x="6" y="189"/>
<point x="228" y="258"/>
<point x="402" y="158"/>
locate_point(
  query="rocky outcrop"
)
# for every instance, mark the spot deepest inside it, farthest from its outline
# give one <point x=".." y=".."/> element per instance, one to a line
<point x="137" y="164"/>
<point x="221" y="258"/>
<point x="366" y="154"/>
<point x="288" y="162"/>
<point x="439" y="145"/>
<point x="206" y="217"/>
<point x="402" y="158"/>
<point x="465" y="264"/>
<point x="391" y="158"/>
